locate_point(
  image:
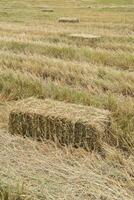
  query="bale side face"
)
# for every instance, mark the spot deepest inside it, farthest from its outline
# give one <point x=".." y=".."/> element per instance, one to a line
<point x="65" y="130"/>
<point x="47" y="10"/>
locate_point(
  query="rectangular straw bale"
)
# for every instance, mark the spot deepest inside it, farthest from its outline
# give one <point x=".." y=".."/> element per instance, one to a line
<point x="70" y="124"/>
<point x="69" y="20"/>
<point x="85" y="36"/>
<point x="47" y="10"/>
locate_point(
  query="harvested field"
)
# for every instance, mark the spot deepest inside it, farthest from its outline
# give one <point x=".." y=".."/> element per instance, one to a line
<point x="42" y="58"/>
<point x="70" y="124"/>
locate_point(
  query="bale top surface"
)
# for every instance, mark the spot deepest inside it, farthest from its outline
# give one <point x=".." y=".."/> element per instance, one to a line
<point x="85" y="36"/>
<point x="57" y="109"/>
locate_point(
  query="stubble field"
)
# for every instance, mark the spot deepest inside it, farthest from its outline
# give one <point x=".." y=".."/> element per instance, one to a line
<point x="39" y="58"/>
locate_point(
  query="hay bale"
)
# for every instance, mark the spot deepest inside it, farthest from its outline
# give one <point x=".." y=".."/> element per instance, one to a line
<point x="85" y="36"/>
<point x="47" y="10"/>
<point x="70" y="124"/>
<point x="69" y="20"/>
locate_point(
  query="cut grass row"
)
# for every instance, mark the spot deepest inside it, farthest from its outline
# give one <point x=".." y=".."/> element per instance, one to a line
<point x="95" y="56"/>
<point x="123" y="31"/>
<point x="94" y="79"/>
<point x="17" y="85"/>
<point x="42" y="37"/>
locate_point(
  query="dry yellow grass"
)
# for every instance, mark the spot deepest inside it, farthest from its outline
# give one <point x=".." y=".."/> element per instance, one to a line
<point x="46" y="171"/>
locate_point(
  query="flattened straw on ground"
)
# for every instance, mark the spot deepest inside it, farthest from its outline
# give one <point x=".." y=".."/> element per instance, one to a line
<point x="69" y="20"/>
<point x="85" y="36"/>
<point x="70" y="124"/>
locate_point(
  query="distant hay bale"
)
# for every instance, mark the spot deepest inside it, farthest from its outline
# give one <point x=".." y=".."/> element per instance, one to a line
<point x="69" y="20"/>
<point x="70" y="124"/>
<point x="47" y="10"/>
<point x="85" y="36"/>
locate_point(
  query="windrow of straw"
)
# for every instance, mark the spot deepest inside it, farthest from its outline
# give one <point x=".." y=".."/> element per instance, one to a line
<point x="65" y="123"/>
